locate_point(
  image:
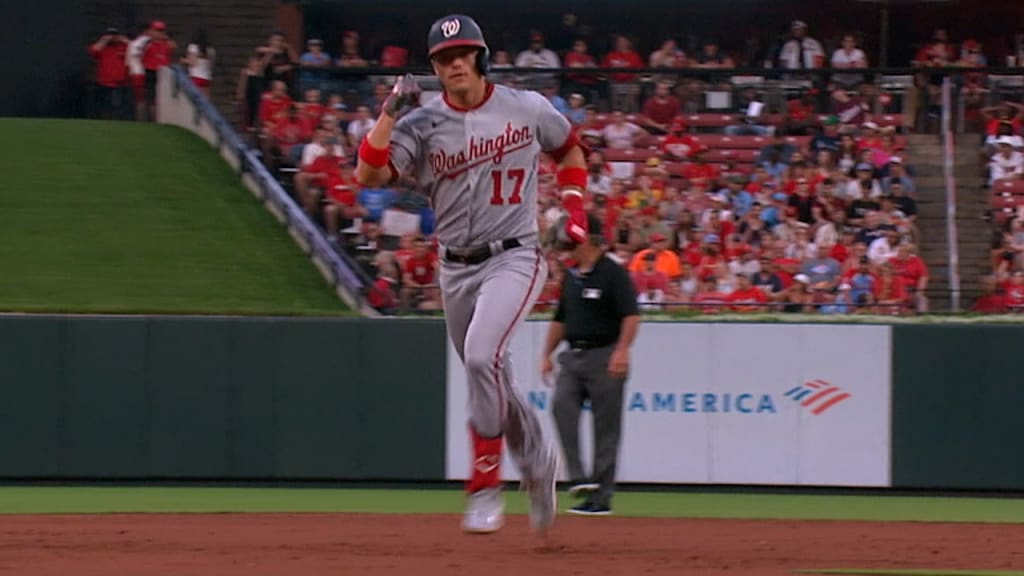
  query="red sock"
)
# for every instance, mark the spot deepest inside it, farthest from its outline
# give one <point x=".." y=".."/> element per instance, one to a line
<point x="486" y="472"/>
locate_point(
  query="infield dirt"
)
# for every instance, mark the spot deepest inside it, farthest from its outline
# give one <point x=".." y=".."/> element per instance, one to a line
<point x="428" y="545"/>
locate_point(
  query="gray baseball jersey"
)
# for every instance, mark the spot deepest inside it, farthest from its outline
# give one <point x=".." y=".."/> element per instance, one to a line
<point x="479" y="166"/>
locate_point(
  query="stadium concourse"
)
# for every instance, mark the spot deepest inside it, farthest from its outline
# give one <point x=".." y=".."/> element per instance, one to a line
<point x="715" y="200"/>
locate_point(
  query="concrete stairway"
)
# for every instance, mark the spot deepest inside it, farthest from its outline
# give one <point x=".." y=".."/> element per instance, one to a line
<point x="926" y="155"/>
<point x="234" y="28"/>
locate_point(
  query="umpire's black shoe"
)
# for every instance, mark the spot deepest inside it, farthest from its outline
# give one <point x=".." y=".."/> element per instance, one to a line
<point x="591" y="509"/>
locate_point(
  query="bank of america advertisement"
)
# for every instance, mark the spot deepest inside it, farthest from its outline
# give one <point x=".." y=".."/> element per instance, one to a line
<point x="727" y="404"/>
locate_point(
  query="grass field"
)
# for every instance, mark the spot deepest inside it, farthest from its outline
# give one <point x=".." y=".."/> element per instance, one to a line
<point x="88" y="500"/>
<point x="118" y="217"/>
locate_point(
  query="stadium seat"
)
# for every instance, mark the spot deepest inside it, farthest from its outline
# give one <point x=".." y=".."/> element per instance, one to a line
<point x="715" y="141"/>
<point x="1013" y="187"/>
<point x="629" y="155"/>
<point x="709" y="120"/>
<point x="747" y="156"/>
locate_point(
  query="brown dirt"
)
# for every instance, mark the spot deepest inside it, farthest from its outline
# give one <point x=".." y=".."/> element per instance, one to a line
<point x="428" y="545"/>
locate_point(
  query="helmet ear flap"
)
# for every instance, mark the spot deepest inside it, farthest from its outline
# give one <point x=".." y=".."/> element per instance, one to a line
<point x="483" y="61"/>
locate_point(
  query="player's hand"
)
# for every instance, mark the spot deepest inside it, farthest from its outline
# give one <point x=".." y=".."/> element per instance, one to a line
<point x="405" y="96"/>
<point x="547" y="368"/>
<point x="618" y="364"/>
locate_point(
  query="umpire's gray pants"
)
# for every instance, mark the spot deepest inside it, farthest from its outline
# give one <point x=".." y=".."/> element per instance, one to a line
<point x="584" y="376"/>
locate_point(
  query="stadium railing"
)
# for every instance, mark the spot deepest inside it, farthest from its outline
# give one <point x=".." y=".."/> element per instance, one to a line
<point x="180" y="103"/>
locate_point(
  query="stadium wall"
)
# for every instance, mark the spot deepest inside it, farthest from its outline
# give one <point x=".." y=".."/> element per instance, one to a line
<point x="189" y="398"/>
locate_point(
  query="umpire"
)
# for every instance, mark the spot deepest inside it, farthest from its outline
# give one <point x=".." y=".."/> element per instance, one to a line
<point x="597" y="316"/>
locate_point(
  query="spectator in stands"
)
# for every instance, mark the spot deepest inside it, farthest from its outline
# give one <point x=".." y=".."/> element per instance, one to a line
<point x="1003" y="115"/>
<point x="137" y="72"/>
<point x="313" y="65"/>
<point x="896" y="171"/>
<point x="623" y="88"/>
<point x="359" y="126"/>
<point x="1006" y="163"/>
<point x="863" y="284"/>
<point x="711" y="57"/>
<point x="823" y="231"/>
<point x="283" y="143"/>
<point x="599" y="182"/>
<point x="157" y="52"/>
<point x="992" y="300"/>
<point x="834" y="207"/>
<point x="382" y="295"/>
<point x="278" y="59"/>
<point x="110" y="52"/>
<point x="850" y="110"/>
<point x="537" y="55"/>
<point x="779" y="149"/>
<point x="577" y="112"/>
<point x="767" y="280"/>
<point x="746" y="297"/>
<point x="309" y="181"/>
<point x="798" y="299"/>
<point x="249" y="91"/>
<point x="419" y="279"/>
<point x="340" y="201"/>
<point x="887" y="149"/>
<point x="650" y="283"/>
<point x="274" y="107"/>
<point x="1003" y="128"/>
<point x="668" y="55"/>
<point x="883" y="249"/>
<point x="665" y="261"/>
<point x="801" y="51"/>
<point x="550" y="91"/>
<point x="351" y="57"/>
<point x="661" y="108"/>
<point x="913" y="273"/>
<point x="826" y="138"/>
<point x="311" y="110"/>
<point x="864" y="184"/>
<point x="849" y="56"/>
<point x="801" y="118"/>
<point x="749" y="116"/>
<point x="822" y="270"/>
<point x="579" y="82"/>
<point x="500" y="60"/>
<point x="678" y="146"/>
<point x="891" y="293"/>
<point x="200" y="58"/>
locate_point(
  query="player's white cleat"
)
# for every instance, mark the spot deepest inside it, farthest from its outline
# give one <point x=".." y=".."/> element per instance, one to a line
<point x="542" y="490"/>
<point x="485" y="512"/>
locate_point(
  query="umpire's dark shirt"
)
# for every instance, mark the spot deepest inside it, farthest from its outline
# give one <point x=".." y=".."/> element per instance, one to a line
<point x="593" y="304"/>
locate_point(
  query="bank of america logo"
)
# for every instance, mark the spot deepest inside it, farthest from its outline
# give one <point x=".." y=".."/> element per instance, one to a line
<point x="817" y="396"/>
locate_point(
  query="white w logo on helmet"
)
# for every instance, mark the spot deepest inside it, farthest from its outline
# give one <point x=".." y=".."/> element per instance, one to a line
<point x="451" y="27"/>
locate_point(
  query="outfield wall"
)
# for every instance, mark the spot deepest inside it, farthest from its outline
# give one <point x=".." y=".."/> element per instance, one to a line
<point x="930" y="406"/>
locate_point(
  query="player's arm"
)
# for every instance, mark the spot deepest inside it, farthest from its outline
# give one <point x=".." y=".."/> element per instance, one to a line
<point x="374" y="166"/>
<point x="563" y="144"/>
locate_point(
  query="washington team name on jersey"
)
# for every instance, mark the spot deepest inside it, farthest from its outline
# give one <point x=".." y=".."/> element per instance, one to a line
<point x="481" y="150"/>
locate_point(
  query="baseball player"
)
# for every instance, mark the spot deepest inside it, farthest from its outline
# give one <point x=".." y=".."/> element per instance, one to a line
<point x="474" y="150"/>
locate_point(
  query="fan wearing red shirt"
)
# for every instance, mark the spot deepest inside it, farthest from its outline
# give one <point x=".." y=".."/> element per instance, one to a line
<point x="700" y="173"/>
<point x="311" y="110"/>
<point x="709" y="300"/>
<point x="420" y="277"/>
<point x="156" y="54"/>
<point x="649" y="280"/>
<point x="912" y="272"/>
<point x="661" y="108"/>
<point x="890" y="293"/>
<point x="111" y="71"/>
<point x="622" y="57"/>
<point x="991" y="300"/>
<point x="274" y="106"/>
<point x="381" y="294"/>
<point x="1014" y="290"/>
<point x="678" y="145"/>
<point x="579" y="58"/>
<point x="746" y="298"/>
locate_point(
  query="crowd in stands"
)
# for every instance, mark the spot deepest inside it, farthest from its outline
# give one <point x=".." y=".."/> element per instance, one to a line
<point x="807" y="207"/>
<point x="806" y="210"/>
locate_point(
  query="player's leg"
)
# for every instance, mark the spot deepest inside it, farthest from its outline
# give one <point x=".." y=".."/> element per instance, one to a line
<point x="511" y="284"/>
<point x="606" y="395"/>
<point x="485" y="505"/>
<point x="566" y="408"/>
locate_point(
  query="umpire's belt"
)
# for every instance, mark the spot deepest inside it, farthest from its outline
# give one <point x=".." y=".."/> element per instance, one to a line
<point x="479" y="254"/>
<point x="578" y="345"/>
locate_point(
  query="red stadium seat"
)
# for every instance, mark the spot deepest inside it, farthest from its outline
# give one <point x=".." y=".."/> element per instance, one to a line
<point x="889" y="120"/>
<point x="1013" y="187"/>
<point x="709" y="120"/>
<point x="714" y="141"/>
<point x="629" y="154"/>
<point x="745" y="156"/>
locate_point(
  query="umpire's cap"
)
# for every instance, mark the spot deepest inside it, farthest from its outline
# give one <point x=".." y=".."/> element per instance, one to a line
<point x="458" y="30"/>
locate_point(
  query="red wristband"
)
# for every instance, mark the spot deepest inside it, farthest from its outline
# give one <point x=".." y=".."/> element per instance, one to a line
<point x="376" y="157"/>
<point x="572" y="176"/>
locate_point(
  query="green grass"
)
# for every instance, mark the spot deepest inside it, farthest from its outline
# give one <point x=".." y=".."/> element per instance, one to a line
<point x="117" y="217"/>
<point x="39" y="500"/>
<point x="910" y="572"/>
